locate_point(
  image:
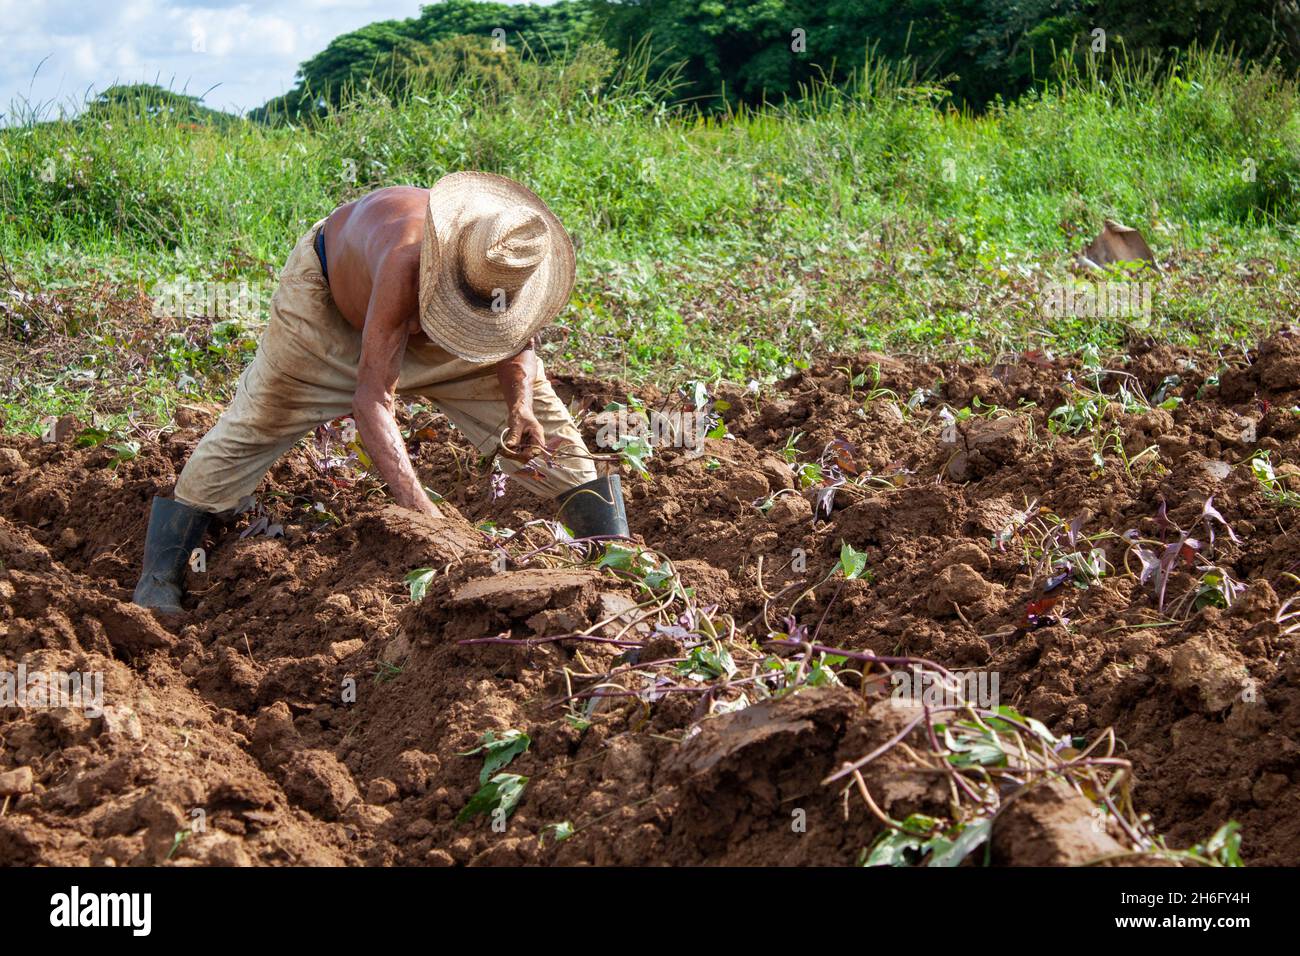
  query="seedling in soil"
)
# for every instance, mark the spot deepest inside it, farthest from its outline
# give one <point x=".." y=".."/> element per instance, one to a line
<point x="919" y="398"/>
<point x="1019" y="521"/>
<point x="704" y="663"/>
<point x="1210" y="516"/>
<point x="696" y="396"/>
<point x="633" y="450"/>
<point x="853" y="563"/>
<point x="873" y="391"/>
<point x="1224" y="847"/>
<point x="855" y="381"/>
<point x="809" y="473"/>
<point x="1082" y="414"/>
<point x="790" y="452"/>
<point x="906" y="846"/>
<point x="1216" y="589"/>
<point x="559" y="832"/>
<point x="501" y="795"/>
<point x="180" y="837"/>
<point x="337" y="453"/>
<point x="123" y="451"/>
<point x="1137" y="466"/>
<point x="384" y="672"/>
<point x="497" y="791"/>
<point x="1159" y="560"/>
<point x="764" y="505"/>
<point x="418" y="582"/>
<point x="498" y="752"/>
<point x="1060" y="552"/>
<point x="638" y="564"/>
<point x="318" y="512"/>
<point x="991" y="756"/>
<point x="633" y="404"/>
<point x="1274" y="489"/>
<point x="790" y="675"/>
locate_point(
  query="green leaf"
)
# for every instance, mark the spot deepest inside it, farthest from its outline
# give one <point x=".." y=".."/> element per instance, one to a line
<point x="92" y="436"/>
<point x="708" y="663"/>
<point x="659" y="577"/>
<point x="1225" y="845"/>
<point x="499" y="751"/>
<point x="920" y="823"/>
<point x="697" y="393"/>
<point x="418" y="581"/>
<point x="810" y="473"/>
<point x="558" y="831"/>
<point x="634" y="450"/>
<point x="1038" y="727"/>
<point x="952" y="852"/>
<point x="125" y="451"/>
<point x="619" y="557"/>
<point x="894" y="848"/>
<point x="503" y="792"/>
<point x="852" y="562"/>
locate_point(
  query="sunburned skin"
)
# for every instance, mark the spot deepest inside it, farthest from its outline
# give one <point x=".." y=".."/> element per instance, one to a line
<point x="373" y="253"/>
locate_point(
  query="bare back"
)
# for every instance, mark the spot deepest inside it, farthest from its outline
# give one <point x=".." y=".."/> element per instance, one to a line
<point x="378" y="234"/>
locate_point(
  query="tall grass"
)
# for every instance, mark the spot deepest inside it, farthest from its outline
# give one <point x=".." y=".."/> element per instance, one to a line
<point x="733" y="244"/>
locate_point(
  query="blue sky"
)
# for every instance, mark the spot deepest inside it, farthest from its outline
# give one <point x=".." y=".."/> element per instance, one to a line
<point x="249" y="51"/>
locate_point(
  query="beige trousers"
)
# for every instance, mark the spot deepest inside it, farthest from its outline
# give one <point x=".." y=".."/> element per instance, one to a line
<point x="305" y="374"/>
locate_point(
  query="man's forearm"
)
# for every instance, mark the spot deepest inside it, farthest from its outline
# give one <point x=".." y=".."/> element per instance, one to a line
<point x="383" y="443"/>
<point x="516" y="377"/>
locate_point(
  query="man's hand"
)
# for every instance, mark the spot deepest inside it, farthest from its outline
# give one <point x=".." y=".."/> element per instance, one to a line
<point x="525" y="438"/>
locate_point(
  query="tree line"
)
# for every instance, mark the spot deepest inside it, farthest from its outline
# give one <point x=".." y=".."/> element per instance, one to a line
<point x="721" y="54"/>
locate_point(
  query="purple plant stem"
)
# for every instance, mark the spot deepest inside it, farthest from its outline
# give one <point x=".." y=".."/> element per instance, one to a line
<point x="533" y="641"/>
<point x="861" y="656"/>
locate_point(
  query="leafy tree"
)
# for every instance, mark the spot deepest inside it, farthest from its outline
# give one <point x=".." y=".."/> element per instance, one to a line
<point x="148" y="100"/>
<point x="741" y="50"/>
<point x="382" y="54"/>
<point x="733" y="51"/>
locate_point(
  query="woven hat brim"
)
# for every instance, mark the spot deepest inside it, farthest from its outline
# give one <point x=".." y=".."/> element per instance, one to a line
<point x="451" y="315"/>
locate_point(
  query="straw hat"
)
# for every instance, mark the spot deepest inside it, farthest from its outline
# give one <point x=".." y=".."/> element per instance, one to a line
<point x="495" y="266"/>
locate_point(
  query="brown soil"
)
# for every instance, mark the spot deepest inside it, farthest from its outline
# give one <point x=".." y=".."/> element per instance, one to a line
<point x="238" y="710"/>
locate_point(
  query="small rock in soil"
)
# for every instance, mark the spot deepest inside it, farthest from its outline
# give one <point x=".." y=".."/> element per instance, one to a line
<point x="16" y="782"/>
<point x="316" y="781"/>
<point x="1205" y="677"/>
<point x="960" y="585"/>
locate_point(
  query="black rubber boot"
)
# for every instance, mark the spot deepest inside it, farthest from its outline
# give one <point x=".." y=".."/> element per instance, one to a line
<point x="175" y="530"/>
<point x="595" y="508"/>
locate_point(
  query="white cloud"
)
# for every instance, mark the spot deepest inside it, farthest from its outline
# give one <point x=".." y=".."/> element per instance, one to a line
<point x="248" y="51"/>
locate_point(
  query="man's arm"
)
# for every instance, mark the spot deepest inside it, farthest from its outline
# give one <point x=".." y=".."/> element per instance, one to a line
<point x="383" y="343"/>
<point x="525" y="438"/>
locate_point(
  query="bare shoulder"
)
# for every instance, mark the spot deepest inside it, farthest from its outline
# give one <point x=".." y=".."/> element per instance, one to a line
<point x="393" y="222"/>
<point x="374" y="252"/>
<point x="396" y="199"/>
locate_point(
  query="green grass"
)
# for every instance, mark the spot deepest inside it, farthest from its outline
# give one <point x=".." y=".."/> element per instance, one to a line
<point x="730" y="246"/>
